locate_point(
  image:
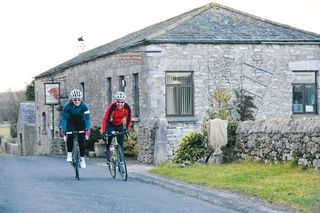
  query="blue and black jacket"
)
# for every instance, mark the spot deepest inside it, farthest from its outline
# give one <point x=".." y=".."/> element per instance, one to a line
<point x="75" y="117"/>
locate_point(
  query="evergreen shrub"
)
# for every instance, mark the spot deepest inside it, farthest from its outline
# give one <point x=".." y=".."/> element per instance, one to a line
<point x="130" y="145"/>
<point x="192" y="148"/>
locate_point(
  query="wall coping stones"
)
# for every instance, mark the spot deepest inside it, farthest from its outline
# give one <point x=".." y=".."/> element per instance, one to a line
<point x="296" y="125"/>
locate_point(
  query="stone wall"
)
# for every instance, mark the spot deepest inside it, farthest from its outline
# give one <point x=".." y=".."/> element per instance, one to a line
<point x="29" y="140"/>
<point x="58" y="146"/>
<point x="280" y="140"/>
<point x="9" y="148"/>
<point x="146" y="141"/>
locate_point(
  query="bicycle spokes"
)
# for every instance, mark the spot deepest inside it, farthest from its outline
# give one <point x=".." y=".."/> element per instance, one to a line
<point x="117" y="162"/>
<point x="112" y="165"/>
<point x="122" y="164"/>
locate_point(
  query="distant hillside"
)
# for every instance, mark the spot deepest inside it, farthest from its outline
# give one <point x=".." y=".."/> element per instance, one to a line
<point x="9" y="105"/>
<point x="6" y="97"/>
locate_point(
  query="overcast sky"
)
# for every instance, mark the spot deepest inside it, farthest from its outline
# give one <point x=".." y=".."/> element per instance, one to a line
<point x="37" y="35"/>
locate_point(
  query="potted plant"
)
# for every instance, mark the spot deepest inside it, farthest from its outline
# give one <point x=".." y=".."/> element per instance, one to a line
<point x="99" y="148"/>
<point x="95" y="137"/>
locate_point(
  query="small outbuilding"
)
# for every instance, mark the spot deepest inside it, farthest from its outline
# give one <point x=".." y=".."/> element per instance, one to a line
<point x="26" y="129"/>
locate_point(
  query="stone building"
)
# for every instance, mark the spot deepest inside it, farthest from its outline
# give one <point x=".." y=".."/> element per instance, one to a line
<point x="170" y="70"/>
<point x="26" y="129"/>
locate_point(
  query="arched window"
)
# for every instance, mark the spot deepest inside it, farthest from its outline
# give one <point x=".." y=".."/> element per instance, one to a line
<point x="44" y="122"/>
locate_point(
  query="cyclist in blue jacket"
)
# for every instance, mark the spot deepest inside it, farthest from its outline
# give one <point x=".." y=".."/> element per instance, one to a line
<point x="76" y="117"/>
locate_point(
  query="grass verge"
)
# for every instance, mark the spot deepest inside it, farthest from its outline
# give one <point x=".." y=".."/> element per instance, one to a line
<point x="285" y="184"/>
<point x="5" y="132"/>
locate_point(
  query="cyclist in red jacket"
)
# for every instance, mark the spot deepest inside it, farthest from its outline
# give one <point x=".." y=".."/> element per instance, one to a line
<point x="117" y="118"/>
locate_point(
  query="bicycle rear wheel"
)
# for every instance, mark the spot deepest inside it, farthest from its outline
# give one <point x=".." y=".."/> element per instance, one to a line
<point x="112" y="164"/>
<point x="122" y="164"/>
<point x="76" y="161"/>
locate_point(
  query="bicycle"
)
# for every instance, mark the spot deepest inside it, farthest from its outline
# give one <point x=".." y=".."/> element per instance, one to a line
<point x="75" y="152"/>
<point x="117" y="156"/>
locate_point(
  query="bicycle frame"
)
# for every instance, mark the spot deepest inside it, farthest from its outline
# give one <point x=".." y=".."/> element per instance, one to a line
<point x="117" y="157"/>
<point x="75" y="152"/>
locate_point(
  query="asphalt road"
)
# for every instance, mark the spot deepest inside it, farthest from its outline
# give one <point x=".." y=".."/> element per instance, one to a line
<point x="47" y="184"/>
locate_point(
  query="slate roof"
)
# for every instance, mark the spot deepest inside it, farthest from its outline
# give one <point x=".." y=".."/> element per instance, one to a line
<point x="210" y="24"/>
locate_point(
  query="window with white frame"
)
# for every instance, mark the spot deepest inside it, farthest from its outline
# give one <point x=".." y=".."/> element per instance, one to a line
<point x="179" y="93"/>
<point x="304" y="93"/>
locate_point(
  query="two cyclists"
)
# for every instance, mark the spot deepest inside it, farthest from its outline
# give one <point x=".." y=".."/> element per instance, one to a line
<point x="76" y="117"/>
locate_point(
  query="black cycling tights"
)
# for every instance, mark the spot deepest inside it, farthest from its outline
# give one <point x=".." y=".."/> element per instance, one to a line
<point x="120" y="138"/>
<point x="80" y="141"/>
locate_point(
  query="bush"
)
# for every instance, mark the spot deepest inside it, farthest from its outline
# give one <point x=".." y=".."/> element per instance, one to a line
<point x="130" y="145"/>
<point x="221" y="103"/>
<point x="192" y="148"/>
<point x="229" y="150"/>
<point x="13" y="130"/>
<point x="244" y="106"/>
<point x="231" y="131"/>
<point x="95" y="136"/>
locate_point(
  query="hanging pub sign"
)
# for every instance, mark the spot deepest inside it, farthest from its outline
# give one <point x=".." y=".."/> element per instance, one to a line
<point x="52" y="93"/>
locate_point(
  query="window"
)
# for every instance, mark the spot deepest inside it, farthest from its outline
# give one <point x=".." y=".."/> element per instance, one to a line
<point x="109" y="90"/>
<point x="136" y="94"/>
<point x="83" y="91"/>
<point x="122" y="83"/>
<point x="179" y="93"/>
<point x="304" y="90"/>
<point x="44" y="122"/>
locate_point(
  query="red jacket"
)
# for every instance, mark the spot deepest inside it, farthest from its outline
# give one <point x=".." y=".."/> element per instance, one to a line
<point x="115" y="116"/>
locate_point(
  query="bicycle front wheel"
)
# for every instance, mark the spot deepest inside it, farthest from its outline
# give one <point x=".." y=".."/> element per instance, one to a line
<point x="76" y="161"/>
<point x="112" y="164"/>
<point x="122" y="164"/>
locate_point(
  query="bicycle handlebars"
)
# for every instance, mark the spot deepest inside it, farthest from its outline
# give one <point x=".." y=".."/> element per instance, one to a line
<point x="116" y="133"/>
<point x="75" y="132"/>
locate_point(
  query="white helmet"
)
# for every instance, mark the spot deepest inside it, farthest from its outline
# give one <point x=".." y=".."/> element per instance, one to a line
<point x="120" y="96"/>
<point x="76" y="94"/>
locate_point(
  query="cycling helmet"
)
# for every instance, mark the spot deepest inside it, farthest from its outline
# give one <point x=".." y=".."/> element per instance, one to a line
<point x="120" y="96"/>
<point x="76" y="94"/>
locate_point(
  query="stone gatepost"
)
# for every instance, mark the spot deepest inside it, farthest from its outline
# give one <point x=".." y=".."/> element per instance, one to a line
<point x="160" y="146"/>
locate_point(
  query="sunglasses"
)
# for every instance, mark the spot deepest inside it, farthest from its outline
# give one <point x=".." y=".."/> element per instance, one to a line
<point x="76" y="99"/>
<point x="120" y="102"/>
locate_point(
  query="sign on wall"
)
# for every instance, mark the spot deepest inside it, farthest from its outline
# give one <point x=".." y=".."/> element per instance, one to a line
<point x="52" y="93"/>
<point x="131" y="57"/>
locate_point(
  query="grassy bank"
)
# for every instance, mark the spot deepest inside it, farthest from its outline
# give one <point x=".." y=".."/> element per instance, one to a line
<point x="2" y="153"/>
<point x="5" y="132"/>
<point x="286" y="184"/>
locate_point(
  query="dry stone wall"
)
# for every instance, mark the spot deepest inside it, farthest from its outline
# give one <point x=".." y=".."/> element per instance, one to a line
<point x="280" y="140"/>
<point x="146" y="141"/>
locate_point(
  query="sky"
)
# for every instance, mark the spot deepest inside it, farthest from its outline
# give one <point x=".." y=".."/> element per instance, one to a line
<point x="37" y="35"/>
